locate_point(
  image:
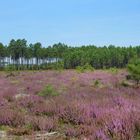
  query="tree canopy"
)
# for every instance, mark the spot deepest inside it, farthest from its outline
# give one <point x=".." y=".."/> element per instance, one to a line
<point x="134" y="69"/>
<point x="98" y="57"/>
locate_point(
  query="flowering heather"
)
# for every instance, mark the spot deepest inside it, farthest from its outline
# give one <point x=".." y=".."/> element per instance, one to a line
<point x="81" y="110"/>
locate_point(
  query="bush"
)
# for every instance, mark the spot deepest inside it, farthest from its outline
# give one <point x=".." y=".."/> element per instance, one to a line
<point x="42" y="124"/>
<point x="128" y="77"/>
<point x="53" y="66"/>
<point x="48" y="91"/>
<point x="84" y="68"/>
<point x="126" y="83"/>
<point x="96" y="83"/>
<point x="113" y="70"/>
<point x="59" y="65"/>
<point x="9" y="68"/>
<point x="11" y="118"/>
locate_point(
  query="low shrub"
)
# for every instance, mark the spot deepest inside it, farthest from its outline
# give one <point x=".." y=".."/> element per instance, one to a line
<point x="10" y="68"/>
<point x="96" y="83"/>
<point x="53" y="66"/>
<point x="85" y="68"/>
<point x="113" y="70"/>
<point x="19" y="131"/>
<point x="11" y="118"/>
<point x="128" y="77"/>
<point x="72" y="132"/>
<point x="126" y="83"/>
<point x="42" y="124"/>
<point x="48" y="91"/>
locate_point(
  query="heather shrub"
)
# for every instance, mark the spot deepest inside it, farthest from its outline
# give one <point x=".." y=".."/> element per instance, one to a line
<point x="87" y="129"/>
<point x="71" y="115"/>
<point x="77" y="114"/>
<point x="33" y="104"/>
<point x="43" y="109"/>
<point x="30" y="100"/>
<point x="80" y="112"/>
<point x="121" y="129"/>
<point x="38" y="109"/>
<point x="11" y="117"/>
<point x="137" y="128"/>
<point x="9" y="95"/>
<point x="48" y="91"/>
<point x="82" y="132"/>
<point x="42" y="123"/>
<point x="100" y="135"/>
<point x="3" y="102"/>
<point x="72" y="132"/>
<point x="19" y="131"/>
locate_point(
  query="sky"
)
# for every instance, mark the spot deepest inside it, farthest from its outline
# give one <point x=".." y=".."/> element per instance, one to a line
<point x="73" y="22"/>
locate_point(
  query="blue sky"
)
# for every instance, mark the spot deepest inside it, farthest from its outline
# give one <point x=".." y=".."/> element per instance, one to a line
<point x="74" y="22"/>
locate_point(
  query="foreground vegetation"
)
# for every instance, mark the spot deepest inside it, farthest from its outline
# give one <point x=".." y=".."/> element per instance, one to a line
<point x="92" y="105"/>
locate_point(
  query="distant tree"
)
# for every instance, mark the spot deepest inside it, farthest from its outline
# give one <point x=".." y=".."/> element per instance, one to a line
<point x="134" y="69"/>
<point x="2" y="53"/>
<point x="17" y="50"/>
<point x="97" y="57"/>
<point x="37" y="52"/>
<point x="1" y="50"/>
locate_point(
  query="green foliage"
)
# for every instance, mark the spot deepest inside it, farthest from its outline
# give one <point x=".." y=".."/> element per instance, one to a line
<point x="53" y="66"/>
<point x="4" y="128"/>
<point x="98" y="57"/>
<point x="29" y="126"/>
<point x="59" y="65"/>
<point x="134" y="69"/>
<point x="11" y="71"/>
<point x="126" y="83"/>
<point x="137" y="137"/>
<point x="48" y="91"/>
<point x="17" y="48"/>
<point x="128" y="77"/>
<point x="96" y="83"/>
<point x="87" y="67"/>
<point x="113" y="70"/>
<point x="79" y="69"/>
<point x="9" y="68"/>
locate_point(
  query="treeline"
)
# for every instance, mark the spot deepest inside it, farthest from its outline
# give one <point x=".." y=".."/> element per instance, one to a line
<point x="67" y="56"/>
